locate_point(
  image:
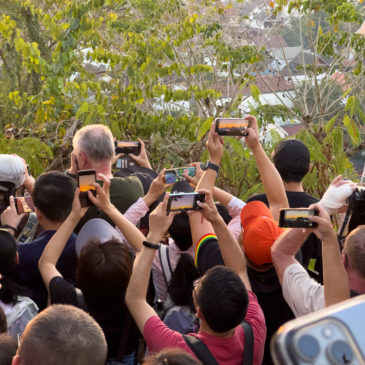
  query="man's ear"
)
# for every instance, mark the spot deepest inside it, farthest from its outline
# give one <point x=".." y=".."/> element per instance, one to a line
<point x="38" y="213"/>
<point x="199" y="313"/>
<point x="82" y="160"/>
<point x="16" y="360"/>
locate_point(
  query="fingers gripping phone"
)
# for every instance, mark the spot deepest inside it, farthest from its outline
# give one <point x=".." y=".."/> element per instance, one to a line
<point x="174" y="175"/>
<point x="84" y="180"/>
<point x="184" y="201"/>
<point x="232" y="126"/>
<point x="24" y="204"/>
<point x="297" y="218"/>
<point x="334" y="335"/>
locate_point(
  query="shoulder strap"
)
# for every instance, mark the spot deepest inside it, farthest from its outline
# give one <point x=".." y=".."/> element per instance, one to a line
<point x="29" y="230"/>
<point x="200" y="350"/>
<point x="248" y="347"/>
<point x="163" y="253"/>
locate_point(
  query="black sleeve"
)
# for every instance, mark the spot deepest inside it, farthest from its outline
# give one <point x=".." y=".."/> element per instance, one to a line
<point x="62" y="292"/>
<point x="209" y="255"/>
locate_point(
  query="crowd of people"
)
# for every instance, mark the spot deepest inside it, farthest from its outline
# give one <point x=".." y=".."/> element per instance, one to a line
<point x="125" y="281"/>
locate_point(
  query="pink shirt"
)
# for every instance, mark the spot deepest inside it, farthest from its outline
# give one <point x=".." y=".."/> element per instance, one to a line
<point x="227" y="351"/>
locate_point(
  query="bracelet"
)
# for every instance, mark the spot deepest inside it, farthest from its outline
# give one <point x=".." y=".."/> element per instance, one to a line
<point x="153" y="246"/>
<point x="6" y="226"/>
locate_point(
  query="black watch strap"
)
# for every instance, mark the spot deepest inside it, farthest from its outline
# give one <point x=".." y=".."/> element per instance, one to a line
<point x="212" y="166"/>
<point x="147" y="244"/>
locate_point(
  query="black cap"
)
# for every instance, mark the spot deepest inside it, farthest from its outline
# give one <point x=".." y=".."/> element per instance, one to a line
<point x="292" y="157"/>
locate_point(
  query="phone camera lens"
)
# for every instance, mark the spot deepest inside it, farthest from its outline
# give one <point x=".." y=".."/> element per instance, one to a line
<point x="307" y="347"/>
<point x="340" y="353"/>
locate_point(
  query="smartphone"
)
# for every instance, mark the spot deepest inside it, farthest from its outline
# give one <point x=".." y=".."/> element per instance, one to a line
<point x="84" y="179"/>
<point x="184" y="201"/>
<point x="334" y="335"/>
<point x="24" y="204"/>
<point x="174" y="175"/>
<point x="133" y="147"/>
<point x="297" y="218"/>
<point x="232" y="126"/>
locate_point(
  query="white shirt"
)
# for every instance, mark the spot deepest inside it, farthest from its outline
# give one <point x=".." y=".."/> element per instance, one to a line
<point x="303" y="294"/>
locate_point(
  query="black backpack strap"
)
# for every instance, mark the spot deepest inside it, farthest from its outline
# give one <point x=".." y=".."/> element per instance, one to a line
<point x="200" y="350"/>
<point x="248" y="347"/>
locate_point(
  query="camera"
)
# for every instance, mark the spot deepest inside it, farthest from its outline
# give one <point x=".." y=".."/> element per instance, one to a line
<point x="174" y="175"/>
<point x="232" y="126"/>
<point x="297" y="218"/>
<point x="357" y="208"/>
<point x="334" y="335"/>
<point x="84" y="180"/>
<point x="184" y="201"/>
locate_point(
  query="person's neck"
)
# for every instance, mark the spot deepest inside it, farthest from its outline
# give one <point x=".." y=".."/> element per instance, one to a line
<point x="206" y="329"/>
<point x="102" y="167"/>
<point x="47" y="225"/>
<point x="293" y="186"/>
<point x="357" y="283"/>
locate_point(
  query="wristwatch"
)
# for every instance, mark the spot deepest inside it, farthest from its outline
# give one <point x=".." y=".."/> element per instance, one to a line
<point x="212" y="166"/>
<point x="151" y="245"/>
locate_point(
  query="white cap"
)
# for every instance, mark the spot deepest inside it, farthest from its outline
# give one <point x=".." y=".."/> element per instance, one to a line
<point x="96" y="228"/>
<point x="12" y="170"/>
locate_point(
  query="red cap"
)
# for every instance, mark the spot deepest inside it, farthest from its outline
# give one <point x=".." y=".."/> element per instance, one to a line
<point x="260" y="231"/>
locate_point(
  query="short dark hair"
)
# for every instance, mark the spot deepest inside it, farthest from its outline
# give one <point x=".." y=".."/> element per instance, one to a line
<point x="10" y="288"/>
<point x="103" y="273"/>
<point x="222" y="298"/>
<point x="8" y="347"/>
<point x="171" y="356"/>
<point x="53" y="195"/>
<point x="62" y="334"/>
<point x="292" y="160"/>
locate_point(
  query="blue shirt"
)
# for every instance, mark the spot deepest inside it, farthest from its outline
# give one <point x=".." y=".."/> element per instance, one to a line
<point x="29" y="255"/>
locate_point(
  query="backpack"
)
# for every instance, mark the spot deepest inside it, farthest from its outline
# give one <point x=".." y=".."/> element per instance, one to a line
<point x="202" y="352"/>
<point x="176" y="317"/>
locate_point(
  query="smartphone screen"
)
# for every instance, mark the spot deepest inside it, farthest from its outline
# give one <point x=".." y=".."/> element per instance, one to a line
<point x="297" y="218"/>
<point x="24" y="204"/>
<point x="231" y="126"/>
<point x="127" y="147"/>
<point x="184" y="201"/>
<point x="174" y="175"/>
<point x="85" y="181"/>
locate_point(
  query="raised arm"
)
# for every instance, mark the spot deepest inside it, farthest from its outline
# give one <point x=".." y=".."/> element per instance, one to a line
<point x="135" y="297"/>
<point x="270" y="177"/>
<point x="335" y="280"/>
<point x="284" y="249"/>
<point x="232" y="254"/>
<point x="199" y="226"/>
